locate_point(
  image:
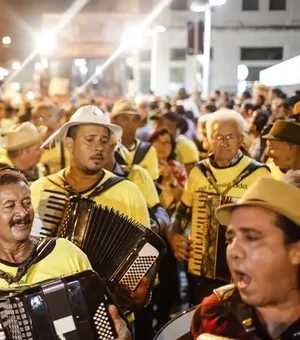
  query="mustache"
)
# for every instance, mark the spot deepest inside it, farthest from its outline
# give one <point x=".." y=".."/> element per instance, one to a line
<point x="20" y="220"/>
<point x="98" y="154"/>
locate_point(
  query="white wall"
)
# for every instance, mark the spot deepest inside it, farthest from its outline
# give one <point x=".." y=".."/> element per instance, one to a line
<point x="232" y="29"/>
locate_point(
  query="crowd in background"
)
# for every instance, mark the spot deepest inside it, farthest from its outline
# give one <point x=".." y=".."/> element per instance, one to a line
<point x="176" y="130"/>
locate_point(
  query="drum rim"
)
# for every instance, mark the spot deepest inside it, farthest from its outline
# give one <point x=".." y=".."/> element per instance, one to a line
<point x="172" y="320"/>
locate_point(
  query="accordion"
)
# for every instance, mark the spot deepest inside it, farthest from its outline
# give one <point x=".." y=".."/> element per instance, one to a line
<point x="208" y="237"/>
<point x="119" y="249"/>
<point x="73" y="307"/>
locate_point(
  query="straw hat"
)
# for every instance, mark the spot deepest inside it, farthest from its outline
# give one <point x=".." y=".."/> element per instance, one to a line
<point x="124" y="107"/>
<point x="88" y="114"/>
<point x="23" y="135"/>
<point x="268" y="193"/>
<point x="284" y="131"/>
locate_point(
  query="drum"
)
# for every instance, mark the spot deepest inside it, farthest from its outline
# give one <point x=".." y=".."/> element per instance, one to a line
<point x="178" y="327"/>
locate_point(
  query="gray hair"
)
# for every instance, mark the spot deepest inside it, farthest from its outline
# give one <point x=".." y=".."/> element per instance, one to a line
<point x="224" y="115"/>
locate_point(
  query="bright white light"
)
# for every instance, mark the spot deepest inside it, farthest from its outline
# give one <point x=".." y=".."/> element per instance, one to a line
<point x="30" y="95"/>
<point x="130" y="61"/>
<point x="197" y="7"/>
<point x="38" y="66"/>
<point x="16" y="65"/>
<point x="159" y="29"/>
<point x="46" y="42"/>
<point x="83" y="70"/>
<point x="242" y="86"/>
<point x="242" y="72"/>
<point x="134" y="38"/>
<point x="15" y="86"/>
<point x="200" y="6"/>
<point x="1" y="77"/>
<point x="80" y="62"/>
<point x="99" y="70"/>
<point x="6" y="40"/>
<point x="44" y="63"/>
<point x="3" y="72"/>
<point x="217" y="2"/>
<point x="95" y="81"/>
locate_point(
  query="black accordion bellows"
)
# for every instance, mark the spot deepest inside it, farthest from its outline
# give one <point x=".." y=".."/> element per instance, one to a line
<point x="73" y="307"/>
<point x="119" y="249"/>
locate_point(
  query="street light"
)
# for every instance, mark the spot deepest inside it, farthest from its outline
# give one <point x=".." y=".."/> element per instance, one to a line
<point x="6" y="40"/>
<point x="205" y="6"/>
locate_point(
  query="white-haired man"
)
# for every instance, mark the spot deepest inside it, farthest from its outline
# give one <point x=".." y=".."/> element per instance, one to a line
<point x="88" y="135"/>
<point x="223" y="176"/>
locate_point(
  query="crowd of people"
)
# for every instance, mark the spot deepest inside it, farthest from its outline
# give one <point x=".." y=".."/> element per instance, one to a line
<point x="186" y="168"/>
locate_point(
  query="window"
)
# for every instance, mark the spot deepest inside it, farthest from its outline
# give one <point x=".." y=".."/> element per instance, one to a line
<point x="261" y="53"/>
<point x="277" y="5"/>
<point x="145" y="55"/>
<point x="250" y="5"/>
<point x="178" y="54"/>
<point x="254" y="73"/>
<point x="145" y="80"/>
<point x="179" y="5"/>
<point x="177" y="75"/>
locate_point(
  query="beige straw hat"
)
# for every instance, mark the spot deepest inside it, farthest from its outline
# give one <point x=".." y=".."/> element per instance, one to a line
<point x="20" y="136"/>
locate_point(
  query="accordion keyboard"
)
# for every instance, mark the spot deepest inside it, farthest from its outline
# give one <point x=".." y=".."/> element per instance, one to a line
<point x="198" y="234"/>
<point x="50" y="211"/>
<point x="145" y="260"/>
<point x="14" y="317"/>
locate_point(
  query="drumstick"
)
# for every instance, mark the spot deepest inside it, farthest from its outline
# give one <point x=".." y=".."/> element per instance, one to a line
<point x="207" y="336"/>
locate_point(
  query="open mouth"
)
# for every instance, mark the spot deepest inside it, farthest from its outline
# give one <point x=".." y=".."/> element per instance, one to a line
<point x="241" y="279"/>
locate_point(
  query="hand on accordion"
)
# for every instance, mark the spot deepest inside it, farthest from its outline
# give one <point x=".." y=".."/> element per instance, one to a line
<point x="120" y="325"/>
<point x="132" y="300"/>
<point x="181" y="246"/>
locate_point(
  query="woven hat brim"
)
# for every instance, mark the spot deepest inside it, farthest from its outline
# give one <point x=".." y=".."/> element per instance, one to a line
<point x="42" y="130"/>
<point x="224" y="213"/>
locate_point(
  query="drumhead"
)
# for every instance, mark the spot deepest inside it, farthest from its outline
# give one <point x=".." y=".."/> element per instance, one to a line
<point x="177" y="327"/>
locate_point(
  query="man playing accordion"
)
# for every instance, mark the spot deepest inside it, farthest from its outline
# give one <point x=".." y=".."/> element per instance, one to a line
<point x="25" y="261"/>
<point x="222" y="177"/>
<point x="88" y="137"/>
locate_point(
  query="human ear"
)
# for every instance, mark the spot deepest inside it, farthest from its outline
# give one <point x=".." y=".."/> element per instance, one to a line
<point x="69" y="143"/>
<point x="295" y="253"/>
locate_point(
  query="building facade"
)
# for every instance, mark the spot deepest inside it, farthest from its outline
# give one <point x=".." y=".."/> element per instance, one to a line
<point x="255" y="33"/>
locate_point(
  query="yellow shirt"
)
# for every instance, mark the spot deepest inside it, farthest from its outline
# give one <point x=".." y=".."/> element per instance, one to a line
<point x="52" y="159"/>
<point x="39" y="172"/>
<point x="275" y="170"/>
<point x="224" y="177"/>
<point x="186" y="151"/>
<point x="141" y="177"/>
<point x="150" y="162"/>
<point x="64" y="260"/>
<point x="124" y="197"/>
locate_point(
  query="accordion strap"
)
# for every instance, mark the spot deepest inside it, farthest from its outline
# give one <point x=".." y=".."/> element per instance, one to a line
<point x="38" y="253"/>
<point x="112" y="181"/>
<point x="204" y="167"/>
<point x="139" y="155"/>
<point x="109" y="183"/>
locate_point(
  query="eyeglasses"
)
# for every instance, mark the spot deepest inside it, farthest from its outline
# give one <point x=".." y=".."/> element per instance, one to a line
<point x="227" y="138"/>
